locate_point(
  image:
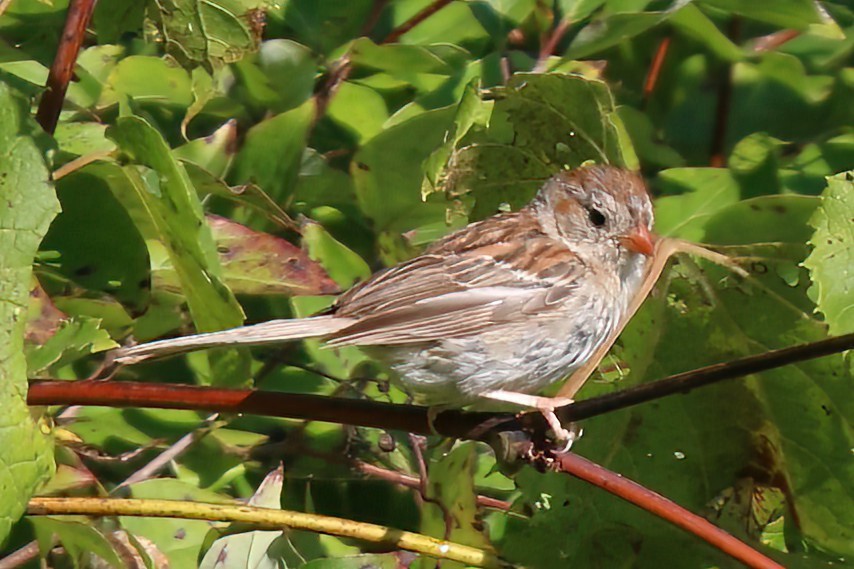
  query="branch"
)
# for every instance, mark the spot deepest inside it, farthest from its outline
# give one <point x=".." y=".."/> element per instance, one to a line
<point x="655" y="69"/>
<point x="657" y="504"/>
<point x="264" y="518"/>
<point x="79" y="14"/>
<point x="409" y="418"/>
<point x="431" y="9"/>
<point x="415" y="483"/>
<point x="686" y="381"/>
<point x="549" y="45"/>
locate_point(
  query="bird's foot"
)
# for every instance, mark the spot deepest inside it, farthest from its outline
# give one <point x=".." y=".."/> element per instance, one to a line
<point x="546" y="406"/>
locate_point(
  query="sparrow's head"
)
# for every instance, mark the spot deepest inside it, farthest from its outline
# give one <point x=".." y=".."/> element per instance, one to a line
<point x="598" y="210"/>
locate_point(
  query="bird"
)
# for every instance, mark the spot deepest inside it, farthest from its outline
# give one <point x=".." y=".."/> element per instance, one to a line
<point x="498" y="310"/>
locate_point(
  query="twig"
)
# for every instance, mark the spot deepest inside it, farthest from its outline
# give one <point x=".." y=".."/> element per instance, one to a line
<point x="689" y="380"/>
<point x="655" y="69"/>
<point x="550" y="44"/>
<point x="21" y="556"/>
<point x="374" y="16"/>
<point x="774" y="40"/>
<point x="657" y="504"/>
<point x="414" y="483"/>
<point x="79" y="14"/>
<point x="264" y="518"/>
<point x="163" y="459"/>
<point x="410" y="418"/>
<point x="717" y="157"/>
<point x="428" y="11"/>
<point x="79" y="162"/>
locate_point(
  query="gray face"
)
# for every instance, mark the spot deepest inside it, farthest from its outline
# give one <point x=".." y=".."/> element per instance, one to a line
<point x="597" y="206"/>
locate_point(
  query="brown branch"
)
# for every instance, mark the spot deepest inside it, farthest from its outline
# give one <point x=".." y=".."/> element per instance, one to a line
<point x="409" y="418"/>
<point x="774" y="40"/>
<point x="428" y="11"/>
<point x="657" y="504"/>
<point x="724" y="100"/>
<point x="686" y="381"/>
<point x="21" y="556"/>
<point x="550" y="44"/>
<point x="79" y="14"/>
<point x="655" y="68"/>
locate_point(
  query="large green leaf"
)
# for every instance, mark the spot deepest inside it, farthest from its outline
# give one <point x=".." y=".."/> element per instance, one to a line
<point x="271" y="154"/>
<point x="211" y="32"/>
<point x="176" y="212"/>
<point x="170" y="209"/>
<point x="256" y="549"/>
<point x="539" y="125"/>
<point x="81" y="542"/>
<point x="28" y="206"/>
<point x="832" y="258"/>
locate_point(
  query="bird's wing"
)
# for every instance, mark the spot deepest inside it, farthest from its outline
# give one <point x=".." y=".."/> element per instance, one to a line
<point x="453" y="291"/>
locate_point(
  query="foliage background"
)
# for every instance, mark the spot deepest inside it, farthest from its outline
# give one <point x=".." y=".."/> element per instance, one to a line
<point x="341" y="145"/>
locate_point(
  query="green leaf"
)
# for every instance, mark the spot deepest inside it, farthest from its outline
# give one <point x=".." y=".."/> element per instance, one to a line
<point x="451" y="483"/>
<point x="806" y="407"/>
<point x="272" y="153"/>
<point x="832" y="257"/>
<point x="358" y="109"/>
<point x="110" y="255"/>
<point x="392" y="159"/>
<point x="343" y="265"/>
<point x="172" y="211"/>
<point x="796" y="14"/>
<point x="540" y="124"/>
<point x="147" y="79"/>
<point x="610" y="29"/>
<point x="213" y="32"/>
<point x="81" y="541"/>
<point x="75" y="338"/>
<point x="254" y="549"/>
<point x="694" y="24"/>
<point x="177" y="214"/>
<point x="181" y="540"/>
<point x="29" y="205"/>
<point x="213" y="153"/>
<point x="706" y="191"/>
<point x="406" y="60"/>
<point x="323" y="26"/>
<point x="280" y="77"/>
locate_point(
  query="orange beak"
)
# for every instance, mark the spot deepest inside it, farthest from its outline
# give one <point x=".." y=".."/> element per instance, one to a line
<point x="640" y="241"/>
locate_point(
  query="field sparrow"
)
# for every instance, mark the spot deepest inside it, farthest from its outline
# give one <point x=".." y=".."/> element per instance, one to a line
<point x="499" y="309"/>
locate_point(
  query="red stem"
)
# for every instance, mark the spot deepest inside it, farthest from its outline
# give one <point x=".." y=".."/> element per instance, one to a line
<point x="79" y="14"/>
<point x="655" y="68"/>
<point x="434" y="7"/>
<point x="657" y="504"/>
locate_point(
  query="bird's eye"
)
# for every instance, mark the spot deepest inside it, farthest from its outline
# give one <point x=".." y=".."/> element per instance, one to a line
<point x="597" y="218"/>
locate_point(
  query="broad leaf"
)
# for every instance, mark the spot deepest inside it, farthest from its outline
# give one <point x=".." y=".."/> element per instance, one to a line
<point x="28" y="206"/>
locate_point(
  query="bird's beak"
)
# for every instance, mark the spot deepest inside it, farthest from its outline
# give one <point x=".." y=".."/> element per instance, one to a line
<point x="640" y="241"/>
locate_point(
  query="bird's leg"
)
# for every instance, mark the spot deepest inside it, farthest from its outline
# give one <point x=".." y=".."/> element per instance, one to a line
<point x="545" y="405"/>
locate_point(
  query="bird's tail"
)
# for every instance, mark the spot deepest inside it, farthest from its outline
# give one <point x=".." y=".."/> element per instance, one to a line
<point x="270" y="332"/>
